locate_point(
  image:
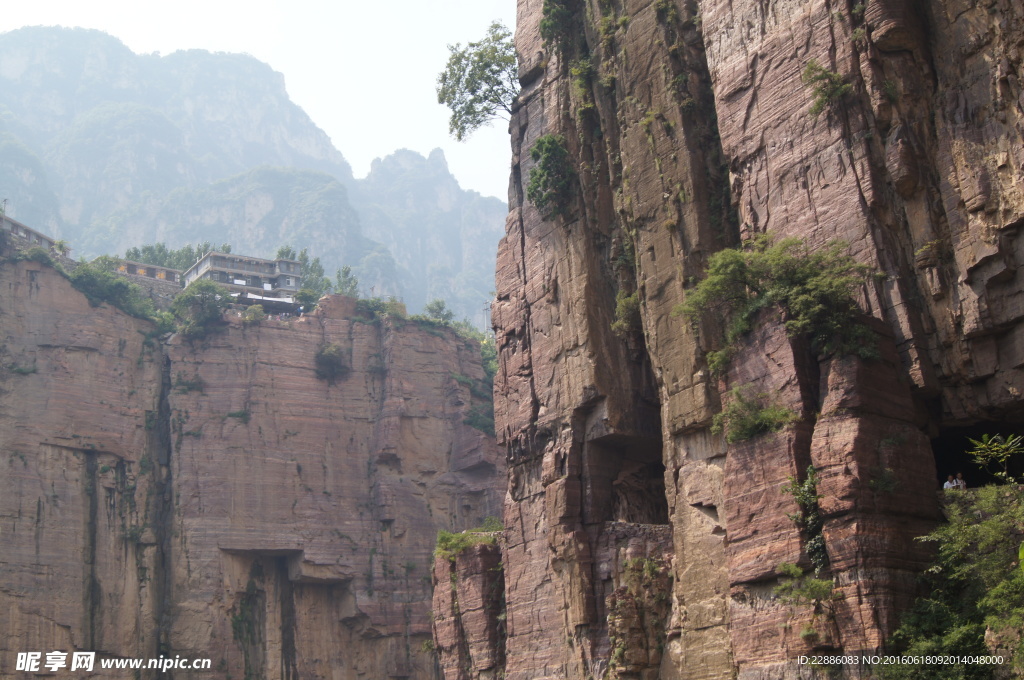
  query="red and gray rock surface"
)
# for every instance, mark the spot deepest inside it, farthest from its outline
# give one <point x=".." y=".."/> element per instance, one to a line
<point x="689" y="128"/>
<point x="217" y="499"/>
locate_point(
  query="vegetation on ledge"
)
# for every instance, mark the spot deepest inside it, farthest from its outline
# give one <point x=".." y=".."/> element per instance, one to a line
<point x="815" y="291"/>
<point x="200" y="307"/>
<point x="809" y="518"/>
<point x="828" y="87"/>
<point x="550" y="185"/>
<point x="451" y="545"/>
<point x="330" y="363"/>
<point x="745" y="417"/>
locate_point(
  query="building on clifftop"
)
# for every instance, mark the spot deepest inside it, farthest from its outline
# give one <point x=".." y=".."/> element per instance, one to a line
<point x="29" y="237"/>
<point x="252" y="275"/>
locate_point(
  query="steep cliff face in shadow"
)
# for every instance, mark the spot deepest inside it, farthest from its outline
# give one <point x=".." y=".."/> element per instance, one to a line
<point x="689" y="128"/>
<point x="218" y="499"/>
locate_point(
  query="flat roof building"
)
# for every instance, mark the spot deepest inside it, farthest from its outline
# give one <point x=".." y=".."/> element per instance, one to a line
<point x="149" y="270"/>
<point x="28" y="236"/>
<point x="253" y="276"/>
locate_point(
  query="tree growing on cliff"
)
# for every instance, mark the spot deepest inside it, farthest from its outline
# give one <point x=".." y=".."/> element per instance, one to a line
<point x="815" y="292"/>
<point x="315" y="283"/>
<point x="182" y="258"/>
<point x="200" y="306"/>
<point x="828" y="87"/>
<point x="346" y="283"/>
<point x="99" y="284"/>
<point x="973" y="595"/>
<point x="479" y="82"/>
<point x="437" y="310"/>
<point x="550" y="185"/>
<point x="973" y="599"/>
<point x="556" y="24"/>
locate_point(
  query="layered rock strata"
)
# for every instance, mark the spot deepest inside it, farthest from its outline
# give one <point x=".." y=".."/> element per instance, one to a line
<point x="690" y="128"/>
<point x="217" y="499"/>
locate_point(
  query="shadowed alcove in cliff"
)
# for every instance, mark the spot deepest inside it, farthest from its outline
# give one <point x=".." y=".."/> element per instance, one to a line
<point x="626" y="481"/>
<point x="952" y="446"/>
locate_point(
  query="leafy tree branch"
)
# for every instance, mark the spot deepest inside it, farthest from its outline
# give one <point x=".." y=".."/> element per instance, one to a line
<point x="479" y="82"/>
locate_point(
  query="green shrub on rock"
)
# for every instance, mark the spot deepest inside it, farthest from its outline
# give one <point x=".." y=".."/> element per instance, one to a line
<point x="550" y="185"/>
<point x="330" y="363"/>
<point x="200" y="306"/>
<point x="828" y="86"/>
<point x="745" y="417"/>
<point x="815" y="292"/>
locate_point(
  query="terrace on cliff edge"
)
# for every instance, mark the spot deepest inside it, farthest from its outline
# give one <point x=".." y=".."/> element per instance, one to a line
<point x="641" y="541"/>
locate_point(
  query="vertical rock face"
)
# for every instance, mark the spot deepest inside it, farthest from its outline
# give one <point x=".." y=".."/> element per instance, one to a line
<point x="689" y="129"/>
<point x="218" y="499"/>
<point x="469" y="613"/>
<point x="79" y="398"/>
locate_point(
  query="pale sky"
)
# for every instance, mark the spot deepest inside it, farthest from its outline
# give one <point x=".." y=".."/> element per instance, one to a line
<point x="365" y="72"/>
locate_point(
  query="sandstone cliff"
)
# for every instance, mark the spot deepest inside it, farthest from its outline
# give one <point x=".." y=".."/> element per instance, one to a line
<point x="689" y="129"/>
<point x="217" y="499"/>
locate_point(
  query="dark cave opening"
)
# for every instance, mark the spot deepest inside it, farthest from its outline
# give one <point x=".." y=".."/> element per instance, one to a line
<point x="952" y="445"/>
<point x="626" y="478"/>
<point x="638" y="493"/>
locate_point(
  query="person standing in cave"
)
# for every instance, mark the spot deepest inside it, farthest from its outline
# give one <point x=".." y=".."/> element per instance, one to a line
<point x="959" y="481"/>
<point x="950" y="483"/>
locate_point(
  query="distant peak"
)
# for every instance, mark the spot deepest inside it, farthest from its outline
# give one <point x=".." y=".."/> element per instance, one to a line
<point x="407" y="159"/>
<point x="437" y="158"/>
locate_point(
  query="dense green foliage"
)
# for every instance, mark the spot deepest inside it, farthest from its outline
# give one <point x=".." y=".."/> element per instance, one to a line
<point x="809" y="518"/>
<point x="745" y="417"/>
<point x="183" y="258"/>
<point x="99" y="284"/>
<point x="556" y="24"/>
<point x="330" y="363"/>
<point x="828" y="86"/>
<point x="583" y="73"/>
<point x="489" y="358"/>
<point x="997" y="450"/>
<point x="797" y="589"/>
<point x="438" y="311"/>
<point x="550" y="185"/>
<point x="346" y="283"/>
<point x="976" y="583"/>
<point x="627" y="314"/>
<point x="253" y="314"/>
<point x="479" y="81"/>
<point x="200" y="307"/>
<point x="665" y="11"/>
<point x="375" y="307"/>
<point x="450" y="545"/>
<point x="974" y="591"/>
<point x="800" y="589"/>
<point x="34" y="254"/>
<point x="814" y="290"/>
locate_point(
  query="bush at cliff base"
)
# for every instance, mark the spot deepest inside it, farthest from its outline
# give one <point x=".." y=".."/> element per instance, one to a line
<point x="975" y="589"/>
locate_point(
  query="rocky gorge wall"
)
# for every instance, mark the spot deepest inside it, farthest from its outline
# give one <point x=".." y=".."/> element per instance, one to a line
<point x="689" y="129"/>
<point x="217" y="499"/>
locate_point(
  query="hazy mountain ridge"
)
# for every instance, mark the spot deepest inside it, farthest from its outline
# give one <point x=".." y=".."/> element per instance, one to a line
<point x="441" y="236"/>
<point x="109" y="149"/>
